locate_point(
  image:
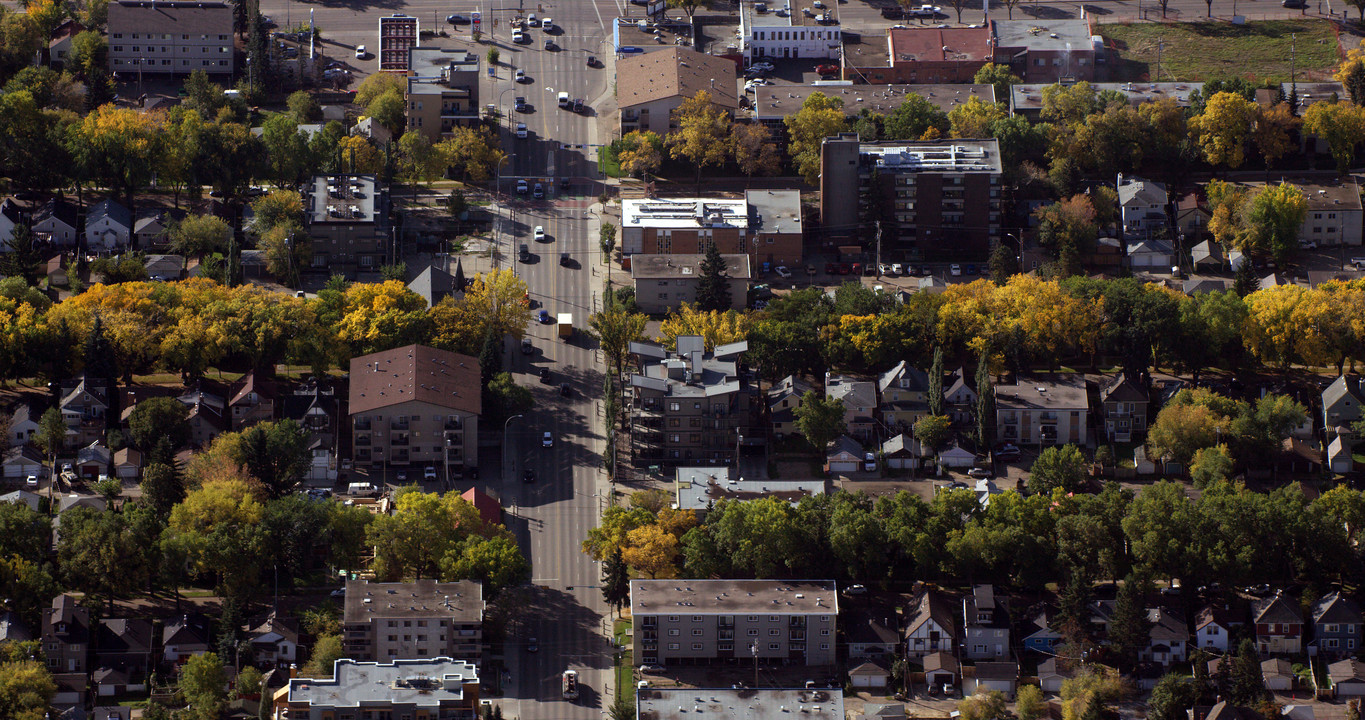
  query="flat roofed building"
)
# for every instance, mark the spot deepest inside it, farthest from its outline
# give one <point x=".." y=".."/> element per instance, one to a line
<point x="170" y="38"/>
<point x="420" y="619"/>
<point x="696" y="621"/>
<point x="801" y="29"/>
<point x="1027" y="98"/>
<point x="765" y="225"/>
<point x="918" y="55"/>
<point x="1043" y="410"/>
<point x="398" y="34"/>
<point x="347" y="219"/>
<point x="664" y="282"/>
<point x="772" y="103"/>
<point x="699" y="487"/>
<point x="1044" y="51"/>
<point x="432" y="688"/>
<point x="443" y="91"/>
<point x="741" y="704"/>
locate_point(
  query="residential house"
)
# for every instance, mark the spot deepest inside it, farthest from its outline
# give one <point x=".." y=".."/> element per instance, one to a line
<point x="251" y="400"/>
<point x="663" y="283"/>
<point x="903" y="452"/>
<point x="32" y="500"/>
<point x="85" y="402"/>
<point x="1003" y="677"/>
<point x="1212" y="629"/>
<point x="184" y="636"/>
<point x="23" y="424"/>
<point x="931" y="626"/>
<point x="152" y="227"/>
<point x="1151" y="255"/>
<point x="1335" y="213"/>
<point x="1202" y="286"/>
<point x="123" y="656"/>
<point x="942" y="197"/>
<point x="941" y="669"/>
<point x="804" y="31"/>
<point x="959" y="397"/>
<point x="347" y="219"/>
<point x="1279" y="626"/>
<point x="844" y="456"/>
<point x="1046" y="51"/>
<point x="127" y="464"/>
<point x="208" y="416"/>
<point x="1124" y="403"/>
<point x="11" y="216"/>
<point x="434" y="285"/>
<point x="166" y="268"/>
<point x="316" y="407"/>
<point x="1277" y="674"/>
<point x="12" y="627"/>
<point x="1051" y="674"/>
<point x="1168" y="637"/>
<point x="55" y="223"/>
<point x="1337" y="625"/>
<point x="66" y="635"/>
<point x="871" y="630"/>
<point x="784" y="397"/>
<point x="1142" y="205"/>
<point x="423" y="687"/>
<point x="1043" y="410"/>
<point x="859" y="398"/>
<point x="108" y="226"/>
<point x="59" y="43"/>
<point x="698" y="488"/>
<point x="1192" y="221"/>
<point x="415" y="406"/>
<point x="986" y="625"/>
<point x="23" y="461"/>
<point x="171" y="37"/>
<point x="275" y="641"/>
<point x="1348" y="678"/>
<point x="650" y="86"/>
<point x="689" y="406"/>
<point x="695" y="621"/>
<point x="1341" y="403"/>
<point x="904" y="392"/>
<point x="1042" y="638"/>
<point x="419" y="619"/>
<point x="955" y="456"/>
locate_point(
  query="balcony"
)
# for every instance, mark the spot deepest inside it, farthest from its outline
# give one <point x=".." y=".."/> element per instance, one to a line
<point x="362" y="441"/>
<point x="398" y="439"/>
<point x="454" y="423"/>
<point x="398" y="424"/>
<point x="649" y="634"/>
<point x="796" y="635"/>
<point x="362" y="423"/>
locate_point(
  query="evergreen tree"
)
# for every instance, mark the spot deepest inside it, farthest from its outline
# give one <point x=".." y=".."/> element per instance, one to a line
<point x="1244" y="280"/>
<point x="163" y="487"/>
<point x="985" y="401"/>
<point x="99" y="354"/>
<point x="1222" y="679"/>
<point x="1248" y="687"/>
<point x="713" y="288"/>
<point x="936" y="383"/>
<point x="460" y="282"/>
<point x="1199" y="660"/>
<point x="21" y="256"/>
<point x="615" y="581"/>
<point x="1129" y="629"/>
<point x="490" y="357"/>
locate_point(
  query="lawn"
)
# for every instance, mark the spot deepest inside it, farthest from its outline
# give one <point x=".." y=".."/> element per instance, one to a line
<point x="625" y="678"/>
<point x="1207" y="50"/>
<point x="607" y="161"/>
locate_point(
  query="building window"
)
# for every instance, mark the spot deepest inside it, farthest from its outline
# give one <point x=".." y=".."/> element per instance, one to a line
<point x="772" y="632"/>
<point x="696" y="632"/>
<point x="774" y="646"/>
<point x="753" y="632"/>
<point x="673" y="632"/>
<point x="672" y="646"/>
<point x="696" y="646"/>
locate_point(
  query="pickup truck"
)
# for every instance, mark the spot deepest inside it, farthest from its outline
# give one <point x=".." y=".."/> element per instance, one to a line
<point x="925" y="11"/>
<point x="569" y="685"/>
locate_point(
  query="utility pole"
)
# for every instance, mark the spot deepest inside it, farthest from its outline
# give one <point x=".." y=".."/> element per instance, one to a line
<point x="1293" y="81"/>
<point x="1160" y="45"/>
<point x="879" y="249"/>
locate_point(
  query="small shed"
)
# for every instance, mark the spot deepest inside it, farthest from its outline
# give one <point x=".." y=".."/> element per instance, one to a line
<point x="941" y="668"/>
<point x="956" y="457"/>
<point x="1339" y="458"/>
<point x="128" y="464"/>
<point x="871" y="674"/>
<point x="1142" y="465"/>
<point x="1277" y="674"/>
<point x="844" y="455"/>
<point x="1052" y="674"/>
<point x="901" y="452"/>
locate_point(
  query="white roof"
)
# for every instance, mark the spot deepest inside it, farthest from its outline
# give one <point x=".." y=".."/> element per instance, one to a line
<point x="685" y="213"/>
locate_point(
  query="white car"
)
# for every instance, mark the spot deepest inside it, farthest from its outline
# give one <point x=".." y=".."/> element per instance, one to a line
<point x="520" y="76"/>
<point x="547" y="25"/>
<point x="518" y="37"/>
<point x="926" y="11"/>
<point x="360" y="52"/>
<point x="522" y="187"/>
<point x="884" y="269"/>
<point x="532" y="21"/>
<point x="783" y="272"/>
<point x="761" y="66"/>
<point x="955" y="269"/>
<point x="540" y="233"/>
<point x="547" y="440"/>
<point x="31" y="481"/>
<point x="521" y="130"/>
<point x="429" y="473"/>
<point x="895" y="269"/>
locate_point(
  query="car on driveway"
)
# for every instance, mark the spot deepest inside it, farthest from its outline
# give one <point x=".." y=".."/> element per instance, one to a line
<point x="1005" y="451"/>
<point x="783" y="272"/>
<point x="547" y="440"/>
<point x="521" y="187"/>
<point x="896" y="269"/>
<point x="955" y="270"/>
<point x="979" y="473"/>
<point x="31" y="481"/>
<point x="539" y="231"/>
<point x="429" y="473"/>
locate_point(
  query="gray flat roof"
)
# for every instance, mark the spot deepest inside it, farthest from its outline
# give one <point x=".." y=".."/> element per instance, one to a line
<point x="698" y="487"/>
<point x="713" y="597"/>
<point x="1030" y="97"/>
<point x="1073" y="35"/>
<point x="774" y="211"/>
<point x="746" y="704"/>
<point x="342" y="199"/>
<point x="653" y="267"/>
<point x="459" y="601"/>
<point x="424" y="683"/>
<point x="1057" y="392"/>
<point x="944" y="156"/>
<point x="773" y="102"/>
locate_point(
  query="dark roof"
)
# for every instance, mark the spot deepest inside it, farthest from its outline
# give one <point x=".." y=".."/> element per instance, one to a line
<point x="249" y="384"/>
<point x="124" y="635"/>
<point x="932" y="604"/>
<point x="870" y="623"/>
<point x="1275" y="609"/>
<point x="1348" y="670"/>
<point x="10" y="209"/>
<point x="844" y="443"/>
<point x="12" y="627"/>
<point x="287" y="628"/>
<point x="58" y="209"/>
<point x="415" y="372"/>
<point x="941" y="661"/>
<point x="1210" y="614"/>
<point x="112" y="209"/>
<point x="1049" y="667"/>
<point x="997" y="671"/>
<point x="871" y="667"/>
<point x="76" y="618"/>
<point x="433" y="284"/>
<point x="186" y="630"/>
<point x="1336" y="609"/>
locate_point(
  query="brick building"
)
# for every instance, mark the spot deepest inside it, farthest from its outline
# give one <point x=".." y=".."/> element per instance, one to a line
<point x="766" y="225"/>
<point x="420" y="619"/>
<point x="690" y="405"/>
<point x="397" y="35"/>
<point x="170" y="38"/>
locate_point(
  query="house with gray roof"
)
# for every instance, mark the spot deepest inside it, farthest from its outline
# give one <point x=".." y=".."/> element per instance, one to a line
<point x="434" y="285"/>
<point x="931" y="624"/>
<point x="1123" y="402"/>
<point x="1337" y="626"/>
<point x="784" y="397"/>
<point x="986" y="625"/>
<point x="165" y="267"/>
<point x="1207" y="256"/>
<point x="1168" y="638"/>
<point x="1142" y="205"/>
<point x="152" y="227"/>
<point x="871" y="630"/>
<point x="55" y="222"/>
<point x="1348" y="678"/>
<point x="860" y="404"/>
<point x="1043" y="410"/>
<point x="108" y="226"/>
<point x="902" y="452"/>
<point x="1341" y="402"/>
<point x="1150" y="254"/>
<point x="904" y="391"/>
<point x="844" y="456"/>
<point x="1279" y="625"/>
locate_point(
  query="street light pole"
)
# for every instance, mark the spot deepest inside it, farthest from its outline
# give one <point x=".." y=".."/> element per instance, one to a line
<point x="504" y="443"/>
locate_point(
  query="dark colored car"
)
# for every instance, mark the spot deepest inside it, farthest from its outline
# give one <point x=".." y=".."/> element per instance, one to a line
<point x="577" y="105"/>
<point x="545" y="375"/>
<point x="893" y="13"/>
<point x="845" y="268"/>
<point x="831" y="269"/>
<point x="592" y="61"/>
<point x="530" y="476"/>
<point x="564" y="389"/>
<point x="1005" y="451"/>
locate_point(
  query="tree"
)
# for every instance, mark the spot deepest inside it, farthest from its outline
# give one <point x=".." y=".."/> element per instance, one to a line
<point x="384" y="315"/>
<point x="985" y="401"/>
<point x="983" y="705"/>
<point x="651" y="550"/>
<point x="933" y="431"/>
<point x="973" y="119"/>
<point x="703" y="133"/>
<point x="615" y="581"/>
<point x="498" y="297"/>
<point x="641" y="153"/>
<point x="276" y="209"/>
<point x="389" y="110"/>
<point x="1274" y="216"/>
<point x="326" y="652"/>
<point x="51" y="435"/>
<point x="203" y="682"/>
<point x="914" y="119"/>
<point x="998" y="75"/>
<point x="716" y="328"/>
<point x="304" y="106"/>
<point x="155" y="418"/>
<point x="286" y="148"/>
<point x="1248" y="685"/>
<point x="216" y="528"/>
<point x="277" y="454"/>
<point x="616" y="329"/>
<point x="820" y="117"/>
<point x="1210" y="466"/>
<point x="1129" y="628"/>
<point x="88" y="53"/>
<point x="820" y="419"/>
<point x="26" y="690"/>
<point x="1058" y="467"/>
<point x="754" y="150"/>
<point x="116" y="146"/>
<point x="358" y="155"/>
<point x="376" y="85"/>
<point x="1181" y="430"/>
<point x="1351" y="72"/>
<point x="1273" y="133"/>
<point x="713" y="287"/>
<point x="503" y="398"/>
<point x="687" y="6"/>
<point x="419" y="161"/>
<point x="493" y="56"/>
<point x="287" y="250"/>
<point x="606" y="239"/>
<point x="495" y="562"/>
<point x="163" y="486"/>
<point x="1171" y="697"/>
<point x="422" y="532"/>
<point x="1341" y="124"/>
<point x="1003" y="263"/>
<point x="200" y="235"/>
<point x="1222" y="130"/>
<point x="1029" y="703"/>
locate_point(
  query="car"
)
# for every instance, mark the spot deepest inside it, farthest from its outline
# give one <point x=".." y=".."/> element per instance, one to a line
<point x="650" y="668"/>
<point x="1358" y="262"/>
<point x="66" y="468"/>
<point x="547" y="440"/>
<point x="857" y="269"/>
<point x="565" y="260"/>
<point x="547" y="25"/>
<point x="532" y="645"/>
<point x="896" y="269"/>
<point x="519" y="76"/>
<point x="527" y="347"/>
<point x="456" y="19"/>
<point x="856" y="590"/>
<point x="520" y="37"/>
<point x="1295" y="4"/>
<point x="338" y="593"/>
<point x="1261" y="590"/>
<point x="893" y="13"/>
<point x="564" y="389"/>
<point x="869" y="462"/>
<point x="532" y="21"/>
<point x="827" y="69"/>
<point x="521" y="187"/>
<point x="971" y="269"/>
<point x="550" y="45"/>
<point x="761" y="65"/>
<point x="519" y="104"/>
<point x="529" y="476"/>
<point x="267" y="21"/>
<point x="537" y="192"/>
<point x="979" y="473"/>
<point x="783" y="272"/>
<point x="1170" y="590"/>
<point x="31" y="481"/>
<point x="592" y="61"/>
<point x="845" y="268"/>
<point x="522" y="132"/>
<point x="429" y="473"/>
<point x="923" y="11"/>
<point x="402" y="475"/>
<point x="955" y="269"/>
<point x="539" y="232"/>
<point x="545" y="375"/>
<point x="524" y="252"/>
<point x="884" y="268"/>
<point x="1005" y="451"/>
<point x="577" y="105"/>
<point x="1309" y="245"/>
<point x="361" y="52"/>
<point x="544" y="317"/>
<point x="564" y="100"/>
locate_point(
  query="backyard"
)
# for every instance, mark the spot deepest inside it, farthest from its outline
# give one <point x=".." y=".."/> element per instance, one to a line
<point x="1214" y="50"/>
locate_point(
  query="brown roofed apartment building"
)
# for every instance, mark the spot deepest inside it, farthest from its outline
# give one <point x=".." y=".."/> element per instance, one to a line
<point x="680" y="622"/>
<point x="649" y="87"/>
<point x="172" y="38"/>
<point x="413" y="620"/>
<point x="415" y="406"/>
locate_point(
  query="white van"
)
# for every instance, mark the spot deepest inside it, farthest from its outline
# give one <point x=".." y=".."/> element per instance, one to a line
<point x="564" y="100"/>
<point x="363" y="489"/>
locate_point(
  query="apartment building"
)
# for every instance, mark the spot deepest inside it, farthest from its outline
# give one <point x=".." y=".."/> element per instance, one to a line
<point x="787" y="622"/>
<point x="410" y="620"/>
<point x="691" y="405"/>
<point x="741" y="703"/>
<point x="433" y="689"/>
<point x="170" y="37"/>
<point x="1043" y="410"/>
<point x="935" y="200"/>
<point x="347" y="218"/>
<point x="415" y="406"/>
<point x="443" y="91"/>
<point x="1046" y="51"/>
<point x="765" y="225"/>
<point x="664" y="282"/>
<point x="918" y="55"/>
<point x="397" y="35"/>
<point x="803" y="29"/>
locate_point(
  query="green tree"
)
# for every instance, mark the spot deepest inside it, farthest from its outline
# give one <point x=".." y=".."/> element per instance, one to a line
<point x="1003" y="263"/>
<point x="389" y="110"/>
<point x="1129" y="628"/>
<point x="936" y="383"/>
<point x="163" y="486"/>
<point x="1058" y="467"/>
<point x="374" y="86"/>
<point x="615" y="581"/>
<point x="616" y="329"/>
<point x="155" y="418"/>
<point x="493" y="56"/>
<point x="1341" y="124"/>
<point x="495" y="562"/>
<point x="326" y="652"/>
<point x="51" y="435"/>
<point x="200" y="235"/>
<point x="1211" y="465"/>
<point x="933" y="431"/>
<point x="985" y="401"/>
<point x="23" y="254"/>
<point x="820" y="419"/>
<point x="819" y="117"/>
<point x="104" y="554"/>
<point x="203" y="682"/>
<point x="277" y="454"/>
<point x="916" y="119"/>
<point x="26" y="690"/>
<point x="1171" y="697"/>
<point x="606" y="239"/>
<point x="1029" y="704"/>
<point x="304" y="106"/>
<point x="503" y="398"/>
<point x="983" y="705"/>
<point x="24" y="533"/>
<point x="289" y="159"/>
<point x="998" y="75"/>
<point x="713" y="287"/>
<point x="1248" y="685"/>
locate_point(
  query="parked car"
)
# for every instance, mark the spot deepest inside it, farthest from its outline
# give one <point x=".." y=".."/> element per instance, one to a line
<point x="783" y="272"/>
<point x="979" y="473"/>
<point x="530" y="476"/>
<point x="896" y="269"/>
<point x="522" y="132"/>
<point x="971" y="269"/>
<point x="521" y="187"/>
<point x="827" y="69"/>
<point x="1005" y="451"/>
<point x="955" y="270"/>
<point x="538" y="191"/>
<point x="532" y="645"/>
<point x="31" y="481"/>
<point x="429" y="473"/>
<point x="360" y="52"/>
<point x="547" y="440"/>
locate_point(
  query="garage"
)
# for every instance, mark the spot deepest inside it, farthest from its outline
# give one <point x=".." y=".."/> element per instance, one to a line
<point x="956" y="457"/>
<point x="870" y="675"/>
<point x="23" y="461"/>
<point x="941" y="669"/>
<point x="844" y="456"/>
<point x="999" y="676"/>
<point x="1348" y="678"/>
